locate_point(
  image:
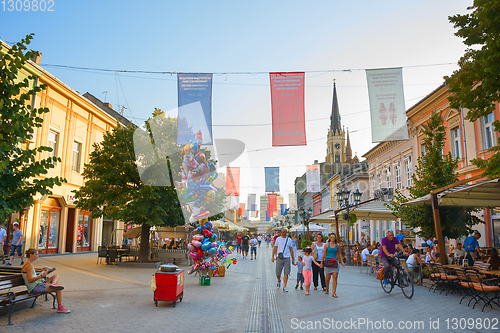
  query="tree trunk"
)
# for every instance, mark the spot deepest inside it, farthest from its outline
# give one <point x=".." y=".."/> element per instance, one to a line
<point x="144" y="249"/>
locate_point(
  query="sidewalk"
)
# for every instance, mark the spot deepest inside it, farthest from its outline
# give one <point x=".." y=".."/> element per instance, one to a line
<point x="119" y="299"/>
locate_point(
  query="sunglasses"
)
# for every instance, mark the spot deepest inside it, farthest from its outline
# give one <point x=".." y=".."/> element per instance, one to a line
<point x="333" y="236"/>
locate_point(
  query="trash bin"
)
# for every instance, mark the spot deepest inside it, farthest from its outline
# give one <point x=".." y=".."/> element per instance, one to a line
<point x="169" y="286"/>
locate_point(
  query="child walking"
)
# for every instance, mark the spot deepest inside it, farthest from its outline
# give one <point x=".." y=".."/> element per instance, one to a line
<point x="300" y="276"/>
<point x="308" y="260"/>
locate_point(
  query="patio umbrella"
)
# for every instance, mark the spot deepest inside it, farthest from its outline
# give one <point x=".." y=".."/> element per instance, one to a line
<point x="133" y="233"/>
<point x="312" y="227"/>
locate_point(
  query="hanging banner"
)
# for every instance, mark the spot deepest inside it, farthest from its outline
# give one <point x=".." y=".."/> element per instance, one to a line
<point x="283" y="209"/>
<point x="195" y="107"/>
<point x="233" y="181"/>
<point x="272" y="202"/>
<point x="241" y="210"/>
<point x="272" y="179"/>
<point x="235" y="202"/>
<point x="247" y="213"/>
<point x="257" y="214"/>
<point x="292" y="201"/>
<point x="387" y="104"/>
<point x="268" y="218"/>
<point x="251" y="202"/>
<point x="312" y="178"/>
<point x="288" y="111"/>
<point x="252" y="214"/>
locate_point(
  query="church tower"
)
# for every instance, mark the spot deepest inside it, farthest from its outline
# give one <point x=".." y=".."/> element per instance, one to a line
<point x="336" y="143"/>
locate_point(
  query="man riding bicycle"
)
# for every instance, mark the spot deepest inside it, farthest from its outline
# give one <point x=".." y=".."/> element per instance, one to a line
<point x="389" y="244"/>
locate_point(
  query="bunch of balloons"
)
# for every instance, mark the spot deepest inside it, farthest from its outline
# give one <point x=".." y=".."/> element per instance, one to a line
<point x="196" y="188"/>
<point x="208" y="253"/>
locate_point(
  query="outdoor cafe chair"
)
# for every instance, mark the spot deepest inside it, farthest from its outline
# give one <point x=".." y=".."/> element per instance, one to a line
<point x="101" y="253"/>
<point x="435" y="276"/>
<point x="482" y="290"/>
<point x="448" y="280"/>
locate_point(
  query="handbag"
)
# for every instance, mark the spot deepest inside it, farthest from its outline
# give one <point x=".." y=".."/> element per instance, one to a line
<point x="332" y="262"/>
<point x="280" y="254"/>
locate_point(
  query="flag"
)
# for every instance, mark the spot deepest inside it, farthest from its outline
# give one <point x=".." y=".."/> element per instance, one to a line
<point x="246" y="215"/>
<point x="288" y="109"/>
<point x="268" y="218"/>
<point x="272" y="202"/>
<point x="251" y="202"/>
<point x="235" y="202"/>
<point x="241" y="210"/>
<point x="256" y="214"/>
<point x="272" y="176"/>
<point x="312" y="178"/>
<point x="387" y="104"/>
<point x="195" y="107"/>
<point x="292" y="201"/>
<point x="233" y="181"/>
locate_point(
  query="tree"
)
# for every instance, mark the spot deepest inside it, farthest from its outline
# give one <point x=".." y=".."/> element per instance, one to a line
<point x="434" y="171"/>
<point x="476" y="84"/>
<point x="19" y="168"/>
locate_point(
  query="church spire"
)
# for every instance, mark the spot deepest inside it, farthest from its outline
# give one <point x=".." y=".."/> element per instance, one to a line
<point x="335" y="126"/>
<point x="348" y="150"/>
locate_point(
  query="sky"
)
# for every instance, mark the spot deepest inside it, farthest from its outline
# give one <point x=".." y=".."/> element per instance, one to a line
<point x="327" y="39"/>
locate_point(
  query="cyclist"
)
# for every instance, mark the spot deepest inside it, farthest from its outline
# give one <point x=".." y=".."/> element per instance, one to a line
<point x="389" y="244"/>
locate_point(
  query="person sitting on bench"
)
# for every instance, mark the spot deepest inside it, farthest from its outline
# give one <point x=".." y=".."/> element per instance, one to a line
<point x="34" y="282"/>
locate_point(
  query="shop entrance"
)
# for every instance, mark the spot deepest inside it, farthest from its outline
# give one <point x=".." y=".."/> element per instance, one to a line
<point x="84" y="230"/>
<point x="48" y="236"/>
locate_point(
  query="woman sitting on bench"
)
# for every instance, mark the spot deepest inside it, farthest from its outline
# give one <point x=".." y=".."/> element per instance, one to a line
<point x="34" y="282"/>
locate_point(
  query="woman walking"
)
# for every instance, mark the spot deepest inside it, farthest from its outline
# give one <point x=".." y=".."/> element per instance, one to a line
<point x="294" y="243"/>
<point x="317" y="248"/>
<point x="330" y="261"/>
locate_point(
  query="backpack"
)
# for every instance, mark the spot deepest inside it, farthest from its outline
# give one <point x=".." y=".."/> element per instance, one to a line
<point x="380" y="273"/>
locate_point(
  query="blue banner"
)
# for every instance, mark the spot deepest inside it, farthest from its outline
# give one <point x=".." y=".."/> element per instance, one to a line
<point x="195" y="108"/>
<point x="268" y="218"/>
<point x="283" y="209"/>
<point x="272" y="179"/>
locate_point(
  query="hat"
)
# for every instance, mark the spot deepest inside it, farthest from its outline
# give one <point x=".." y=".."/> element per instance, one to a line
<point x="15" y="223"/>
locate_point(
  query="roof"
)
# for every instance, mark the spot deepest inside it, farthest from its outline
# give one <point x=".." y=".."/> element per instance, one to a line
<point x="485" y="194"/>
<point x="105" y="107"/>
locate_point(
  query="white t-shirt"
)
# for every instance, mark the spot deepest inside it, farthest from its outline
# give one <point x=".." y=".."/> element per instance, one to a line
<point x="253" y="242"/>
<point x="364" y="253"/>
<point x="280" y="243"/>
<point x="411" y="260"/>
<point x="259" y="238"/>
<point x="458" y="253"/>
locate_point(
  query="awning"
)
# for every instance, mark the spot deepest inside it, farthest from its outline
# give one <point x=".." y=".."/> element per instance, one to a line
<point x="326" y="217"/>
<point x="484" y="194"/>
<point x="312" y="228"/>
<point x="374" y="210"/>
<point x="177" y="232"/>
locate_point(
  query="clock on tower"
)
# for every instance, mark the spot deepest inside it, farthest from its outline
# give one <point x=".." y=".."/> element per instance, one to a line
<point x="337" y="146"/>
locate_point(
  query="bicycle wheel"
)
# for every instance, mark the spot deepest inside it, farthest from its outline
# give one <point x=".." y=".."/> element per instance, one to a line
<point x="388" y="287"/>
<point x="407" y="284"/>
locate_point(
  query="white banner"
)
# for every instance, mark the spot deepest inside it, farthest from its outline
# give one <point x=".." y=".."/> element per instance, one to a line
<point x="235" y="202"/>
<point x="387" y="104"/>
<point x="312" y="178"/>
<point x="292" y="201"/>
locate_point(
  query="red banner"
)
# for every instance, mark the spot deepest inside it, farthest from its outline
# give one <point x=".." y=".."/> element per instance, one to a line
<point x="288" y="109"/>
<point x="272" y="202"/>
<point x="257" y="214"/>
<point x="241" y="210"/>
<point x="233" y="181"/>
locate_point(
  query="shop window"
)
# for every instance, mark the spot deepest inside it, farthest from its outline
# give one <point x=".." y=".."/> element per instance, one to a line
<point x="83" y="232"/>
<point x="48" y="236"/>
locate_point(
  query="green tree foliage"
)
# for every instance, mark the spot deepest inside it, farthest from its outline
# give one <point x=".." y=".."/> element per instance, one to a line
<point x="20" y="170"/>
<point x="434" y="171"/>
<point x="476" y="84"/>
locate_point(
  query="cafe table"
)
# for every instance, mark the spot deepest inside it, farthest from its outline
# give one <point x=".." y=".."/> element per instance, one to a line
<point x="492" y="272"/>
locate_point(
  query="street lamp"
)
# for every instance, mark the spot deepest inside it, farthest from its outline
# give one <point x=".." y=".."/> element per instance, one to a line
<point x="306" y="214"/>
<point x="343" y="200"/>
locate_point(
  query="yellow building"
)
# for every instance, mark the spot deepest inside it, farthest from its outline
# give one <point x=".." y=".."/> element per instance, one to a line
<point x="73" y="125"/>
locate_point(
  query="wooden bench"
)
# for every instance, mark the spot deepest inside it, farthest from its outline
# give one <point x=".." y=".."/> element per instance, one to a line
<point x="9" y="298"/>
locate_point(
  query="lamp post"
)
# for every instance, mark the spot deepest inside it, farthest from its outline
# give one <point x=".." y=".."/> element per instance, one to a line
<point x="306" y="214"/>
<point x="343" y="200"/>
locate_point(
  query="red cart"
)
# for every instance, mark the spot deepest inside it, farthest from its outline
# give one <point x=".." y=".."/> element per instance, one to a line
<point x="169" y="286"/>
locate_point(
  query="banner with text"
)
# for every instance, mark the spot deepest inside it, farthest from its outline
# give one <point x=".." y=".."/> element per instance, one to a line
<point x="194" y="90"/>
<point x="241" y="210"/>
<point x="272" y="176"/>
<point x="288" y="109"/>
<point x="292" y="201"/>
<point x="272" y="202"/>
<point x="235" y="202"/>
<point x="251" y="202"/>
<point x="233" y="181"/>
<point x="387" y="104"/>
<point x="312" y="178"/>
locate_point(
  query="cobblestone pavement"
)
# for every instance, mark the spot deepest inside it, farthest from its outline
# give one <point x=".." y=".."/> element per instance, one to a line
<point x="110" y="298"/>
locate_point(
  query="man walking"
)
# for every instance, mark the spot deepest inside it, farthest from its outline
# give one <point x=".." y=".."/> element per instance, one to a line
<point x="283" y="251"/>
<point x="238" y="243"/>
<point x="253" y="247"/>
<point x="3" y="238"/>
<point x="244" y="245"/>
<point x="17" y="243"/>
<point x="471" y="245"/>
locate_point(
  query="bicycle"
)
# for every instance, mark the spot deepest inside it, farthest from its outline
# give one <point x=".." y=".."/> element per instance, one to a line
<point x="406" y="281"/>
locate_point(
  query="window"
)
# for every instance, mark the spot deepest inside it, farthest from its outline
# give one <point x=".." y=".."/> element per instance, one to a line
<point x="337" y="158"/>
<point x="379" y="175"/>
<point x="455" y="137"/>
<point x="423" y="150"/>
<point x="53" y="140"/>
<point x="408" y="171"/>
<point x="388" y="183"/>
<point x="397" y="175"/>
<point x="488" y="132"/>
<point x="373" y="183"/>
<point x="77" y="148"/>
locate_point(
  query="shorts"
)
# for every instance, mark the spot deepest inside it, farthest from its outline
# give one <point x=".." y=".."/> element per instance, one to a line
<point x="307" y="277"/>
<point x="300" y="277"/>
<point x="13" y="250"/>
<point x="40" y="288"/>
<point x="259" y="242"/>
<point x="244" y="248"/>
<point x="238" y="246"/>
<point x="1" y="251"/>
<point x="253" y="250"/>
<point x="283" y="263"/>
